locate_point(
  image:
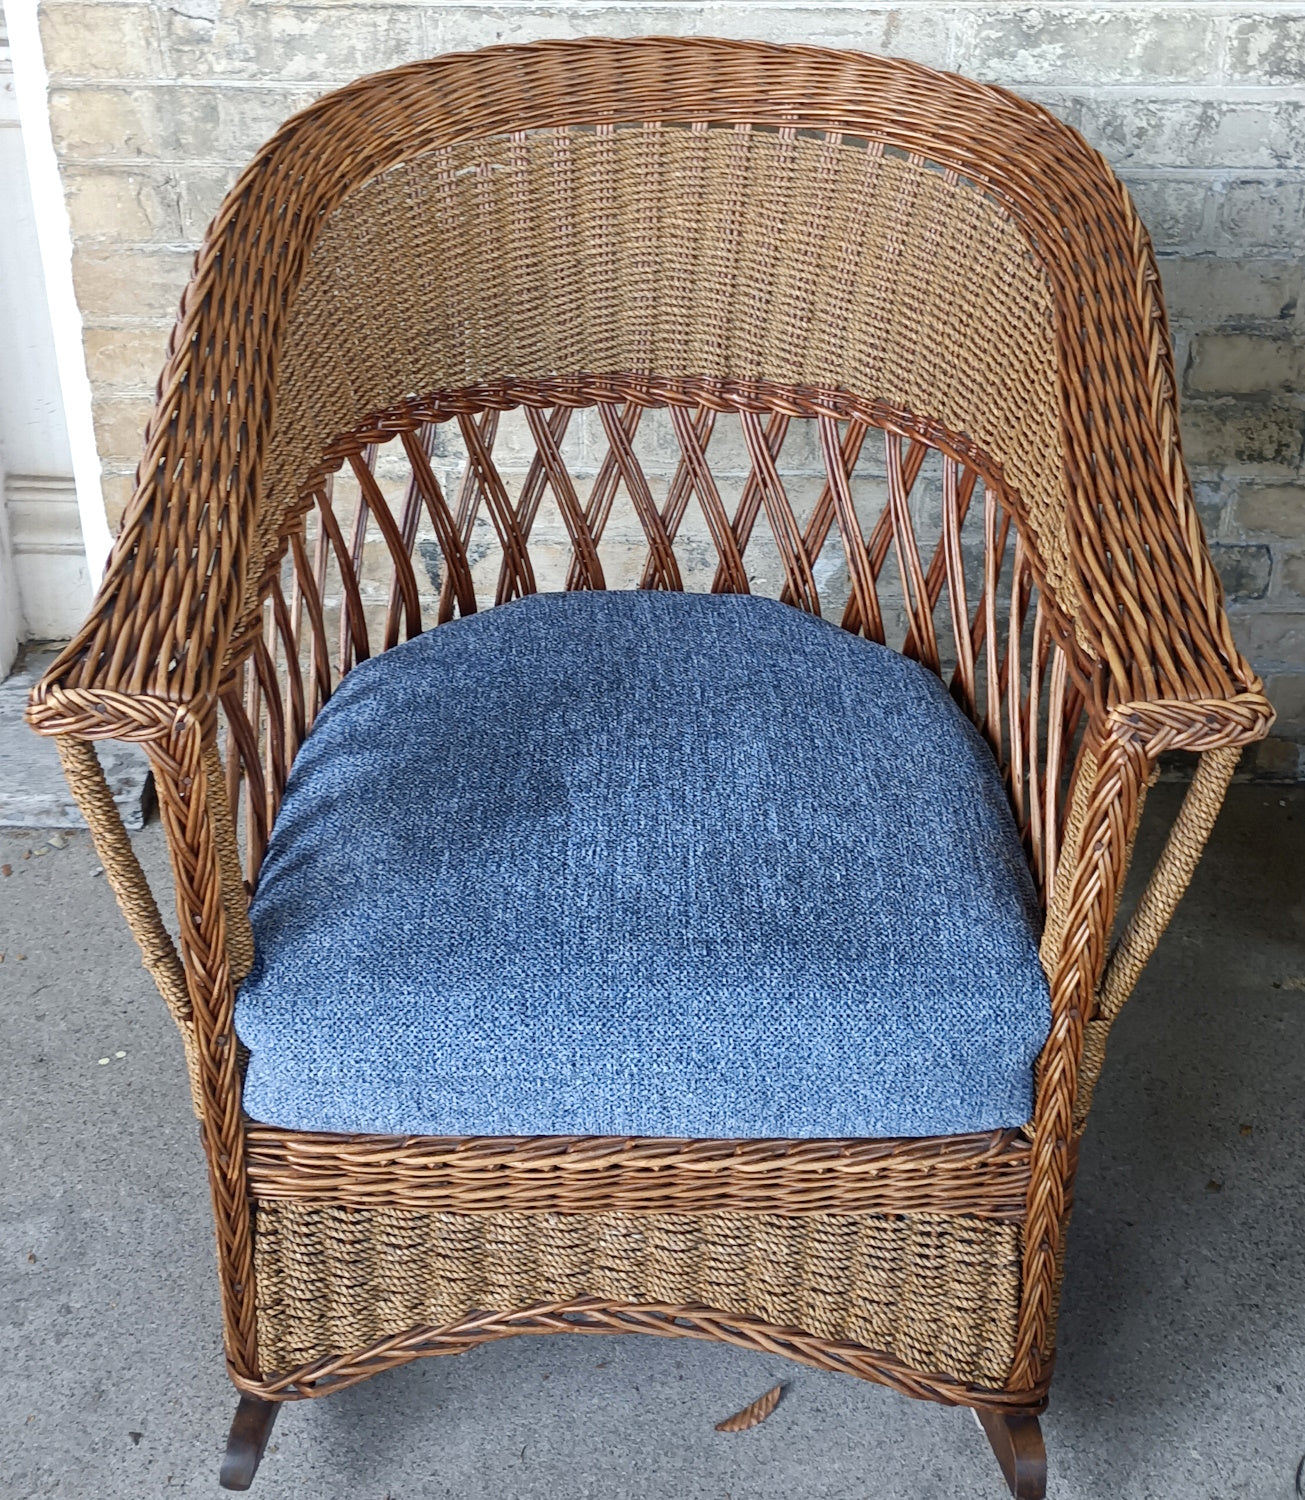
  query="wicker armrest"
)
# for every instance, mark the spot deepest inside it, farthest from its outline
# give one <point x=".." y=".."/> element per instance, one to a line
<point x="152" y="648"/>
<point x="1150" y="609"/>
<point x="147" y="658"/>
<point x="1148" y="602"/>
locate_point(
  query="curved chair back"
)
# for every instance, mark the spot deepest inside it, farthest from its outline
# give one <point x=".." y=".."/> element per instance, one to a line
<point x="784" y="229"/>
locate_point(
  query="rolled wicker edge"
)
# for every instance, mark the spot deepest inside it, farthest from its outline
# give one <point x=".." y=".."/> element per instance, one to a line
<point x="661" y="1320"/>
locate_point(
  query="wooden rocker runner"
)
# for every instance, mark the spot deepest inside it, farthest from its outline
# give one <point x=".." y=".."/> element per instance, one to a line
<point x="721" y="974"/>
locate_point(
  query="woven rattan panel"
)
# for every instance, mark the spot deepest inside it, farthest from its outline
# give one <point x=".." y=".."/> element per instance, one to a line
<point x="730" y="254"/>
<point x="938" y="1293"/>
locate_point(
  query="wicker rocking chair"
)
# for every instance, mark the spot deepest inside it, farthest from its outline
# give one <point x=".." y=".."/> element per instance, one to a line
<point x="879" y="342"/>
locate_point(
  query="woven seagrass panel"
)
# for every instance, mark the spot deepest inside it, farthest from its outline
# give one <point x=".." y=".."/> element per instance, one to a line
<point x="937" y="1292"/>
<point x="668" y="250"/>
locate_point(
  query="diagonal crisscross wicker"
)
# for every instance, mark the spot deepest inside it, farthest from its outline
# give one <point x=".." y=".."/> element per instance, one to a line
<point x="880" y="342"/>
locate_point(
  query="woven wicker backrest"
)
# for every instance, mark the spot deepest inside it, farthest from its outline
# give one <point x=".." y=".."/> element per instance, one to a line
<point x="820" y="221"/>
<point x="737" y="254"/>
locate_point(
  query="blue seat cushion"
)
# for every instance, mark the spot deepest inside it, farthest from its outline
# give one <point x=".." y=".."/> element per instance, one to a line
<point x="643" y="864"/>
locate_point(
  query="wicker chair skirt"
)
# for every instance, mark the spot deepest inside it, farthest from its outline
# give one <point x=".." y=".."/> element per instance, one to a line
<point x="933" y="1292"/>
<point x="894" y="1260"/>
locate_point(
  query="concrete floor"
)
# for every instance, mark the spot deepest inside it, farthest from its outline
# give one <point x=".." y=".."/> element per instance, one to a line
<point x="1182" y="1365"/>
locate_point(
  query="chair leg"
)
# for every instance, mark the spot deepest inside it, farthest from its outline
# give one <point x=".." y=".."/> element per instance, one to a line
<point x="245" y="1444"/>
<point x="1017" y="1442"/>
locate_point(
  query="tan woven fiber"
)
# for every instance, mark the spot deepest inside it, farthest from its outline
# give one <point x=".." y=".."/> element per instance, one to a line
<point x="647" y="244"/>
<point x="1168" y="881"/>
<point x="122" y="869"/>
<point x="1058" y="901"/>
<point x="942" y="302"/>
<point x="939" y="1292"/>
<point x="235" y="901"/>
<point x="1155" y="907"/>
<point x="81" y="767"/>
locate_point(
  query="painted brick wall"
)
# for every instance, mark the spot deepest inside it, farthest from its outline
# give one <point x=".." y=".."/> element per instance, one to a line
<point x="1200" y="106"/>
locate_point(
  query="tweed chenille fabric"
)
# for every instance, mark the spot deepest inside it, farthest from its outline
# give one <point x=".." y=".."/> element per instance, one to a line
<point x="643" y="863"/>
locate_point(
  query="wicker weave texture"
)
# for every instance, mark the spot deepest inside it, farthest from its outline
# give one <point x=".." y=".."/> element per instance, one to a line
<point x="735" y="233"/>
<point x="726" y="253"/>
<point x="983" y="1176"/>
<point x="885" y="540"/>
<point x="938" y="1292"/>
<point x="1112" y="380"/>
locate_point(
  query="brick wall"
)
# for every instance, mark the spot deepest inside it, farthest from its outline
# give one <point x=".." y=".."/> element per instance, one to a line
<point x="1200" y="106"/>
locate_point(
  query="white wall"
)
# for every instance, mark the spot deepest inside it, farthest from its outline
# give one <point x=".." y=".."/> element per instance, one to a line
<point x="11" y="617"/>
<point x="44" y="579"/>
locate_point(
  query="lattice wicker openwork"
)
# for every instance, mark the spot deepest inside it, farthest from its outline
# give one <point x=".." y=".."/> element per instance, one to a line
<point x="674" y="314"/>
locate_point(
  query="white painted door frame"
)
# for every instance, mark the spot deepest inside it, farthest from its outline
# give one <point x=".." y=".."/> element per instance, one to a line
<point x="54" y="535"/>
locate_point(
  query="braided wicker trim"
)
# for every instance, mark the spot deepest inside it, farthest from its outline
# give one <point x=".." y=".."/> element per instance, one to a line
<point x="933" y="1292"/>
<point x="981" y="1175"/>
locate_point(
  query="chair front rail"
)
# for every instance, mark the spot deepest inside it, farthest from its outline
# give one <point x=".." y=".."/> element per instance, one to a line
<point x="593" y="1315"/>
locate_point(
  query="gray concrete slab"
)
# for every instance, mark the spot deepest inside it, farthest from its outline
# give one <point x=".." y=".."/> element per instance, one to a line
<point x="33" y="792"/>
<point x="1182" y="1366"/>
